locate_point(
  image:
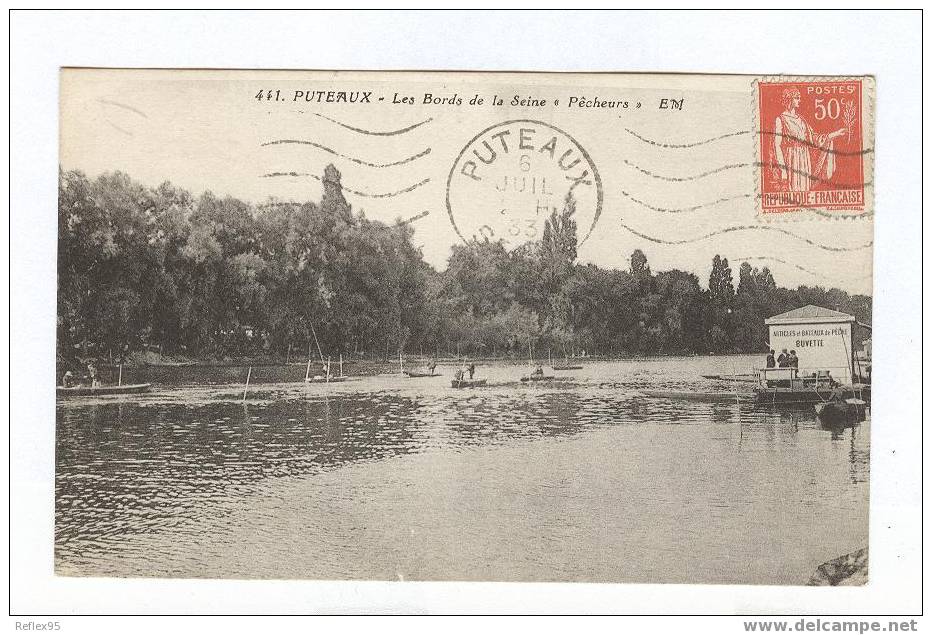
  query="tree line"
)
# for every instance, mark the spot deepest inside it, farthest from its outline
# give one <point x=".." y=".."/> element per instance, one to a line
<point x="144" y="269"/>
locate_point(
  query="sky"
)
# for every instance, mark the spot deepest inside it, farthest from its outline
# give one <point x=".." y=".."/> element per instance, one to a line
<point x="679" y="183"/>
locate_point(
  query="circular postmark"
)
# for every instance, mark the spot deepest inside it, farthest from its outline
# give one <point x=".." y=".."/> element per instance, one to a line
<point x="509" y="179"/>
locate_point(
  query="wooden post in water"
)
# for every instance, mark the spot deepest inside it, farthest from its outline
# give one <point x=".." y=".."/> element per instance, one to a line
<point x="120" y="380"/>
<point x="248" y="375"/>
<point x="734" y="374"/>
<point x="307" y="372"/>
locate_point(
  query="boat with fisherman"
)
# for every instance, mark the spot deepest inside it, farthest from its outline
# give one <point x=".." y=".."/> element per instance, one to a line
<point x="428" y="370"/>
<point x="90" y="391"/>
<point x="566" y="364"/>
<point x="90" y="386"/>
<point x="328" y="377"/>
<point x="460" y="379"/>
<point x="537" y="374"/>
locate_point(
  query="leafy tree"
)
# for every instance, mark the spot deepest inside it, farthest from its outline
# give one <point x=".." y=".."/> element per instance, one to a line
<point x="157" y="268"/>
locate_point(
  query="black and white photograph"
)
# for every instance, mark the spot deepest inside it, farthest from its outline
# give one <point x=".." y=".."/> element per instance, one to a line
<point x="538" y="321"/>
<point x="418" y="327"/>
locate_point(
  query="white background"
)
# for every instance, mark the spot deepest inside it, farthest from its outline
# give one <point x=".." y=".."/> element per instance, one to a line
<point x="886" y="45"/>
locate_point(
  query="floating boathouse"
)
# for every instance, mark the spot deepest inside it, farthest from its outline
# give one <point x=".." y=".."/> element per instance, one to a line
<point x="821" y="338"/>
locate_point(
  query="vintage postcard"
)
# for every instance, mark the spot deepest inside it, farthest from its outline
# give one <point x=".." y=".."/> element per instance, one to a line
<point x="464" y="326"/>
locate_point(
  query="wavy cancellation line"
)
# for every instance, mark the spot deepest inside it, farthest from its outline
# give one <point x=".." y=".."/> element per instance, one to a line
<point x="682" y="210"/>
<point x="272" y="175"/>
<point x="414" y="157"/>
<point x="376" y="133"/>
<point x="738" y="133"/>
<point x="736" y="228"/>
<point x="790" y="264"/>
<point x="694" y="144"/>
<point x="733" y="166"/>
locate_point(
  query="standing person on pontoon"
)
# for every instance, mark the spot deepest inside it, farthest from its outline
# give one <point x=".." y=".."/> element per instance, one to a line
<point x="781" y="361"/>
<point x="771" y="363"/>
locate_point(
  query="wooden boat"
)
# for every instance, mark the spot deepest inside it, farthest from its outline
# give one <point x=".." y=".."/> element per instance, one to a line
<point x="421" y="373"/>
<point x="85" y="391"/>
<point x="565" y="365"/>
<point x="696" y="395"/>
<point x="467" y="383"/>
<point x="741" y="378"/>
<point x="533" y="377"/>
<point x="841" y="411"/>
<point x="324" y="379"/>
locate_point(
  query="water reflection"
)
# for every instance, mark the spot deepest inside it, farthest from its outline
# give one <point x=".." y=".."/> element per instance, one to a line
<point x="141" y="484"/>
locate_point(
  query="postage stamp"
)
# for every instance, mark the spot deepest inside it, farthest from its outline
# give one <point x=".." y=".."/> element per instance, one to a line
<point x="811" y="146"/>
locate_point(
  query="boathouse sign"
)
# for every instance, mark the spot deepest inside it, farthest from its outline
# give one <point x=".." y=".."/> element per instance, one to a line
<point x="821" y="338"/>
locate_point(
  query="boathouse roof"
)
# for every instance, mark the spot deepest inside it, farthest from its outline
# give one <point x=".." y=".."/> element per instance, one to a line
<point x="809" y="314"/>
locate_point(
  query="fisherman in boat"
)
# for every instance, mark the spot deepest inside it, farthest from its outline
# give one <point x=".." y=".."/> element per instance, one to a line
<point x="771" y="363"/>
<point x="68" y="379"/>
<point x="781" y="361"/>
<point x="472" y="369"/>
<point x="92" y="375"/>
<point x="459" y="375"/>
<point x="431" y="365"/>
<point x="538" y="372"/>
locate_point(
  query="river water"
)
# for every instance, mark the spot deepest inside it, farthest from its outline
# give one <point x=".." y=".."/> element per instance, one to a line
<point x="388" y="478"/>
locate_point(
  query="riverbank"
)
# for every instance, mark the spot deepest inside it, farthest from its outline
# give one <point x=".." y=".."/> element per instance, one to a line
<point x="145" y="359"/>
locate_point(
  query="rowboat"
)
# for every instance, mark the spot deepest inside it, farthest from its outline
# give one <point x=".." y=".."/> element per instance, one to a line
<point x="421" y="373"/>
<point x="533" y="377"/>
<point x="467" y="383"/>
<point x="85" y="391"/>
<point x="743" y="378"/>
<point x="565" y="365"/>
<point x="323" y="379"/>
<point x="695" y="395"/>
<point x="840" y="411"/>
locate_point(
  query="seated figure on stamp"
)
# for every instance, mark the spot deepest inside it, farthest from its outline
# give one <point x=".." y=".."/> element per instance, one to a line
<point x="793" y="140"/>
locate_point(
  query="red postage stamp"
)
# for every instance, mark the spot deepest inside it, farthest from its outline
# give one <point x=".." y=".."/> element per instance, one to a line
<point x="812" y="146"/>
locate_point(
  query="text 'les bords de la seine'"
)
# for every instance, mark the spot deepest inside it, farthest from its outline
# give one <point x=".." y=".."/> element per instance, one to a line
<point x="430" y="99"/>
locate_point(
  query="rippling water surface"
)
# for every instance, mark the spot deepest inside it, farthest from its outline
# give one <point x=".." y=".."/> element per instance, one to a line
<point x="389" y="477"/>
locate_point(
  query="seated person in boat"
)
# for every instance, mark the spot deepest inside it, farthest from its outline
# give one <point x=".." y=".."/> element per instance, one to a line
<point x="68" y="379"/>
<point x="92" y="375"/>
<point x="459" y="375"/>
<point x="538" y="372"/>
